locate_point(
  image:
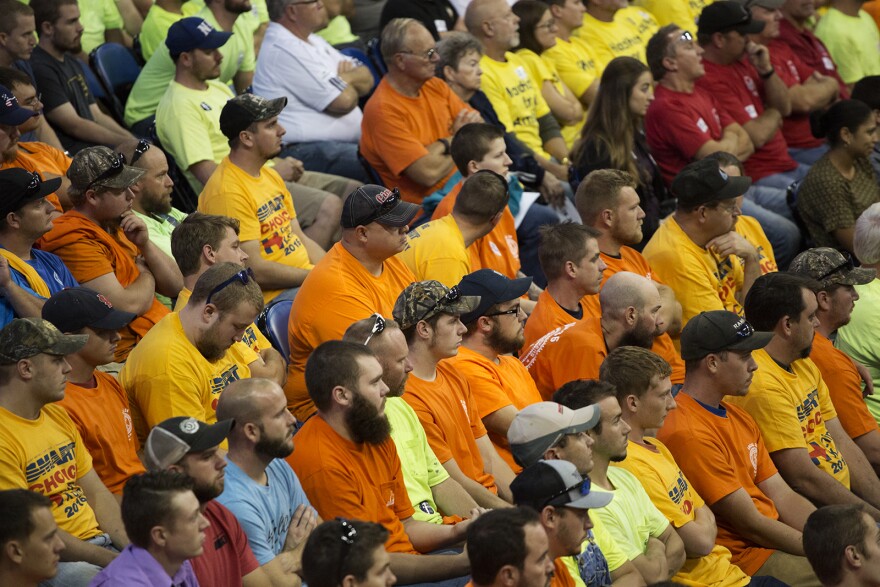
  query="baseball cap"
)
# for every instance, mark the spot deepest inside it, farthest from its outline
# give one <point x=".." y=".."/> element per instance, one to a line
<point x="702" y="182"/>
<point x="539" y="426"/>
<point x="20" y="187"/>
<point x="493" y="288"/>
<point x="11" y="113"/>
<point x="724" y="15"/>
<point x="26" y="337"/>
<point x="556" y="483"/>
<point x="74" y="308"/>
<point x="720" y="330"/>
<point x="99" y="166"/>
<point x="245" y="109"/>
<point x="171" y="440"/>
<point x="425" y="299"/>
<point x="374" y="203"/>
<point x="194" y="33"/>
<point x="768" y="4"/>
<point x="831" y="267"/>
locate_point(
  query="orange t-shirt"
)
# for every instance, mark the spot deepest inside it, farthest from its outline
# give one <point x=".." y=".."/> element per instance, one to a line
<point x="495" y="386"/>
<point x="449" y="415"/>
<point x="546" y="316"/>
<point x="396" y="130"/>
<point x="664" y="347"/>
<point x="498" y="250"/>
<point x="103" y="418"/>
<point x="573" y="351"/>
<point x="41" y="158"/>
<point x="561" y="576"/>
<point x="337" y="292"/>
<point x="844" y="387"/>
<point x="90" y="252"/>
<point x="355" y="481"/>
<point x="720" y="452"/>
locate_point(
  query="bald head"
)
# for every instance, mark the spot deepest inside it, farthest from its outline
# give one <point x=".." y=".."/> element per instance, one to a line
<point x="627" y="290"/>
<point x="246" y="400"/>
<point x="493" y="23"/>
<point x="478" y="12"/>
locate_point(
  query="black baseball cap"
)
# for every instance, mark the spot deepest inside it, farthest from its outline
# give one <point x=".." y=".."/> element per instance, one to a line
<point x="20" y="187"/>
<point x="556" y="483"/>
<point x="171" y="440"/>
<point x="245" y="109"/>
<point x="75" y="308"/>
<point x="374" y="203"/>
<point x="723" y="16"/>
<point x="702" y="182"/>
<point x="493" y="288"/>
<point x="720" y="330"/>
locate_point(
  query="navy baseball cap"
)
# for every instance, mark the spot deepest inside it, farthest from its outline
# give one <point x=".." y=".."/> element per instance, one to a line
<point x="493" y="288"/>
<point x="11" y="113"/>
<point x="194" y="33"/>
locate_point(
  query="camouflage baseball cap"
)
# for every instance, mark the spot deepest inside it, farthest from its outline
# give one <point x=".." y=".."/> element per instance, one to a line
<point x="830" y="267"/>
<point x="27" y="337"/>
<point x="101" y="167"/>
<point x="424" y="299"/>
<point x="245" y="109"/>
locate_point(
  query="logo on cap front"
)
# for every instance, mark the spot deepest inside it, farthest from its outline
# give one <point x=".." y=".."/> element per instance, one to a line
<point x="189" y="426"/>
<point x="9" y="100"/>
<point x="383" y="196"/>
<point x="205" y="28"/>
<point x="105" y="301"/>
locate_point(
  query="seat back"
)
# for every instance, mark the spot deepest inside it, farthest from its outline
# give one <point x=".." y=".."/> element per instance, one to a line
<point x="366" y="60"/>
<point x="183" y="197"/>
<point x="273" y="323"/>
<point x="376" y="53"/>
<point x="368" y="169"/>
<point x="117" y="69"/>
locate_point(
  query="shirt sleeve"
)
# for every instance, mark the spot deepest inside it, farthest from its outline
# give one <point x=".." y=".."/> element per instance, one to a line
<point x="775" y="415"/>
<point x="86" y="259"/>
<point x="185" y="133"/>
<point x="309" y="78"/>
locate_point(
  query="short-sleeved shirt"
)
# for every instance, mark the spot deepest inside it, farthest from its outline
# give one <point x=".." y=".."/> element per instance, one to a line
<point x="307" y="73"/>
<point x="338" y="292"/>
<point x="569" y="352"/>
<point x="97" y="17"/>
<point x="672" y="493"/>
<point x="47" y="456"/>
<point x="793" y="71"/>
<point x="436" y="250"/>
<point x="264" y="511"/>
<point x="397" y="129"/>
<point x="449" y="415"/>
<point x="791" y="408"/>
<point x="576" y="63"/>
<point x="812" y="51"/>
<point x="227" y="556"/>
<point x="859" y="338"/>
<point x="542" y="70"/>
<point x="516" y="98"/>
<point x="738" y="89"/>
<point x="361" y="481"/>
<point x="43" y="159"/>
<point x="749" y="228"/>
<point x="103" y="419"/>
<point x="546" y="315"/>
<point x="618" y="38"/>
<point x="166" y="376"/>
<point x="418" y="463"/>
<point x="264" y="208"/>
<point x="683" y="13"/>
<point x="135" y="566"/>
<point x="701" y="280"/>
<point x="495" y="386"/>
<point x="161" y="227"/>
<point x="827" y="201"/>
<point x="853" y="42"/>
<point x="156" y="25"/>
<point x="721" y="450"/>
<point x="844" y="386"/>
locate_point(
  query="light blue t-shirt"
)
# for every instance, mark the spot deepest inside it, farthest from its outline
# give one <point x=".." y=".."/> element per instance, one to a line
<point x="264" y="511"/>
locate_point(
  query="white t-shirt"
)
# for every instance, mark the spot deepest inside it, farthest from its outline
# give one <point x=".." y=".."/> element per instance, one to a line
<point x="307" y="73"/>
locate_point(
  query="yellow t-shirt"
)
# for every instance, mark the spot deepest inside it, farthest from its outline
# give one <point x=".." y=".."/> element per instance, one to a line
<point x="264" y="208"/>
<point x="684" y="13"/>
<point x="749" y="229"/>
<point x="166" y="376"/>
<point x="542" y="70"/>
<point x="701" y="280"/>
<point x="435" y="250"/>
<point x="48" y="456"/>
<point x="575" y="62"/>
<point x="791" y="409"/>
<point x="643" y="21"/>
<point x="676" y="498"/>
<point x="516" y="98"/>
<point x="618" y="38"/>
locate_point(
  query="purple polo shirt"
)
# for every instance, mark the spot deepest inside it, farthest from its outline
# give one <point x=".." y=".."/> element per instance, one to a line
<point x="136" y="566"/>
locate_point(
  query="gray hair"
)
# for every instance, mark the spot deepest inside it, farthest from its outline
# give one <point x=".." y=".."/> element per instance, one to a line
<point x="276" y="8"/>
<point x="393" y="37"/>
<point x="866" y="240"/>
<point x="453" y="48"/>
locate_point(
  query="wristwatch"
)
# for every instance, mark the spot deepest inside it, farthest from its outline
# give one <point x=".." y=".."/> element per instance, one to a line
<point x="446" y="149"/>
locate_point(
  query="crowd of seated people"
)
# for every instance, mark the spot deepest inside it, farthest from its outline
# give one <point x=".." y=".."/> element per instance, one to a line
<point x="349" y="293"/>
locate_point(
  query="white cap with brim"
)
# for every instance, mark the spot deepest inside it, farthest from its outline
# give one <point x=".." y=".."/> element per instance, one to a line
<point x="539" y="426"/>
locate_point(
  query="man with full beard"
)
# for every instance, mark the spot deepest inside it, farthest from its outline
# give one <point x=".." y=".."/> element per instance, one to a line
<point x="182" y="365"/>
<point x="436" y="497"/>
<point x="630" y="316"/>
<point x="192" y="447"/>
<point x="261" y="490"/>
<point x="350" y="466"/>
<point x="501" y="386"/>
<point x="791" y="404"/>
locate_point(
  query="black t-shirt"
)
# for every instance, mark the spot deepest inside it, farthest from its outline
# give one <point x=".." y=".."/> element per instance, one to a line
<point x="428" y="12"/>
<point x="60" y="83"/>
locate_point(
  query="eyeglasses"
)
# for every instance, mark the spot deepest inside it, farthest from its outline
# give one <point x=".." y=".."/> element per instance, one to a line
<point x="549" y="25"/>
<point x="583" y="488"/>
<point x="142" y="147"/>
<point x="244" y="277"/>
<point x="428" y="55"/>
<point x="348" y="537"/>
<point x="34" y="100"/>
<point x="846" y="265"/>
<point x="378" y="327"/>
<point x="513" y="310"/>
<point x="117" y="164"/>
<point x="452" y="296"/>
<point x="385" y="206"/>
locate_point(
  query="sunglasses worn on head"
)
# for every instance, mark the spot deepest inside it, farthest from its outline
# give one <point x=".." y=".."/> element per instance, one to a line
<point x="348" y="537"/>
<point x="117" y="164"/>
<point x="142" y="147"/>
<point x="452" y="296"/>
<point x="847" y="265"/>
<point x="244" y="277"/>
<point x="378" y="328"/>
<point x="583" y="487"/>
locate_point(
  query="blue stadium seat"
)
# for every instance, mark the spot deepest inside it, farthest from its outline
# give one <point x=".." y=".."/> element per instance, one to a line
<point x="117" y="69"/>
<point x="372" y="174"/>
<point x="183" y="197"/>
<point x="356" y="53"/>
<point x="273" y="323"/>
<point x="376" y="54"/>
